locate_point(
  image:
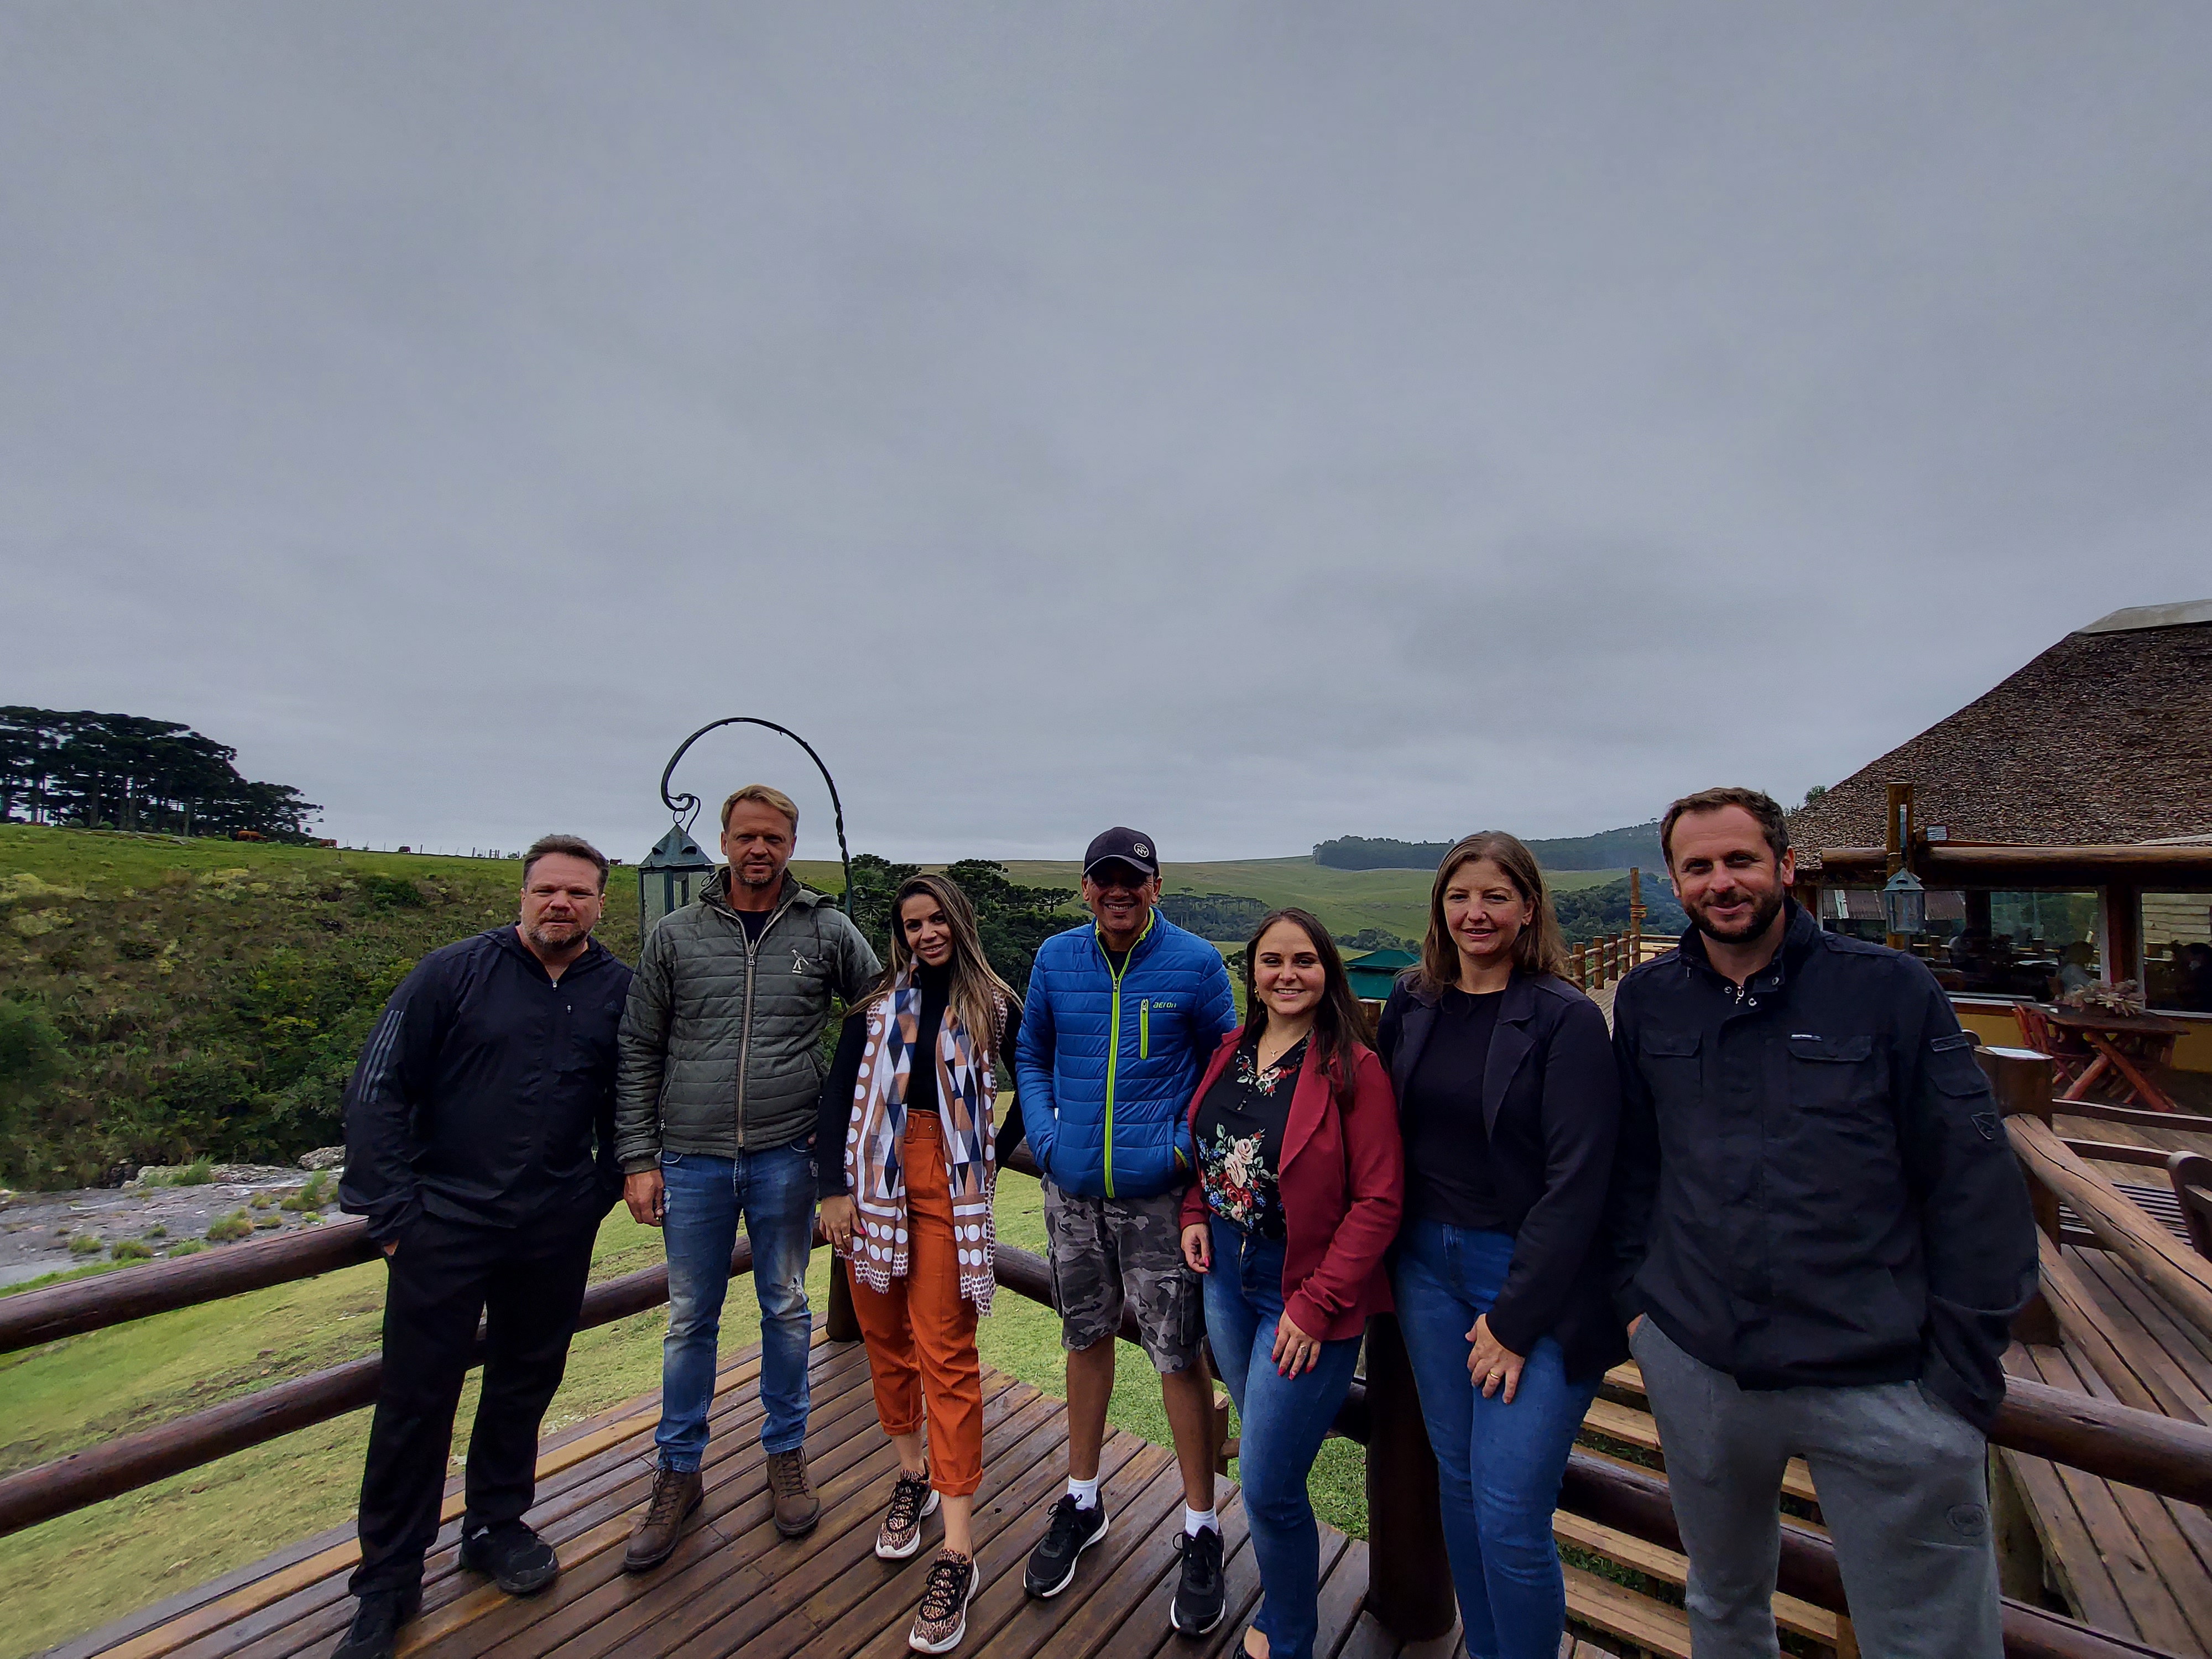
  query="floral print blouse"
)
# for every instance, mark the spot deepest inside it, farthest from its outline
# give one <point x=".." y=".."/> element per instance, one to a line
<point x="1239" y="1133"/>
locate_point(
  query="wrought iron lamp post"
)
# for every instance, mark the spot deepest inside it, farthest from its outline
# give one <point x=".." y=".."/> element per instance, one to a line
<point x="680" y="864"/>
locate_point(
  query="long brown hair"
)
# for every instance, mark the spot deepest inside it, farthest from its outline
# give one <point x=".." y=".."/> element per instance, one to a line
<point x="1339" y="1022"/>
<point x="1540" y="948"/>
<point x="976" y="991"/>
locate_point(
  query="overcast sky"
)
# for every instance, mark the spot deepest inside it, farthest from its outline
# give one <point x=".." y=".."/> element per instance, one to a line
<point x="1253" y="423"/>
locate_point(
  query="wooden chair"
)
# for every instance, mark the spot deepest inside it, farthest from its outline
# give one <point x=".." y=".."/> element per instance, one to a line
<point x="2191" y="1173"/>
<point x="2070" y="1055"/>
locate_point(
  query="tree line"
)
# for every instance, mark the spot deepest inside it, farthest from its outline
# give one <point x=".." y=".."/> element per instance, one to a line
<point x="1636" y="844"/>
<point x="128" y="772"/>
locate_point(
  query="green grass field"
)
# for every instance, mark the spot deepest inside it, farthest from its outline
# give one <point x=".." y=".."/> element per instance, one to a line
<point x="76" y="1572"/>
<point x="1346" y="901"/>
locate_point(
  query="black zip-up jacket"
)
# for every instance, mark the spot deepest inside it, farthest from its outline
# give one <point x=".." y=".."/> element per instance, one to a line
<point x="486" y="1093"/>
<point x="1813" y="1185"/>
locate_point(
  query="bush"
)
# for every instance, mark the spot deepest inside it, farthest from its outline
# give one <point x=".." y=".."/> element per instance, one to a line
<point x="159" y="1229"/>
<point x="312" y="1196"/>
<point x="197" y="1173"/>
<point x="85" y="1244"/>
<point x="189" y="1246"/>
<point x="262" y="1201"/>
<point x="130" y="1249"/>
<point x="236" y="1225"/>
<point x="391" y="893"/>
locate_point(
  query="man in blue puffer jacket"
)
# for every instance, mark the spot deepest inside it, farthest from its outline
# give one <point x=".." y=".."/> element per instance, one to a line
<point x="1121" y="1019"/>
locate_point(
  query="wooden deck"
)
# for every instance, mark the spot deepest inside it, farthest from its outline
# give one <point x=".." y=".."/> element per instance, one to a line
<point x="734" y="1586"/>
<point x="2120" y="1559"/>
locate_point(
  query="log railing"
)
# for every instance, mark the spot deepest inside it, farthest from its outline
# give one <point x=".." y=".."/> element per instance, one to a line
<point x="1410" y="1586"/>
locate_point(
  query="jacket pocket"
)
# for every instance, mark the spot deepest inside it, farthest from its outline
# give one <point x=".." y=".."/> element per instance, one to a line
<point x="1669" y="1063"/>
<point x="1953" y="1068"/>
<point x="1838" y="1074"/>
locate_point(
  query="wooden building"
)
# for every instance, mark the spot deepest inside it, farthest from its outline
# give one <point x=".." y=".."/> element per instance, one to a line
<point x="2062" y="823"/>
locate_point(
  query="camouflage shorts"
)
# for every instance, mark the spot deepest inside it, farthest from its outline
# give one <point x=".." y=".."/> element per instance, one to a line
<point x="1109" y="1252"/>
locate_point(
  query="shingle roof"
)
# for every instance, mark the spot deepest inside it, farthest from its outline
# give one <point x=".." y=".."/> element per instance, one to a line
<point x="2105" y="737"/>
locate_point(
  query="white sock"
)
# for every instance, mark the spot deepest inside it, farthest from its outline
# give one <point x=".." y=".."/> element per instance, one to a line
<point x="1084" y="1493"/>
<point x="1195" y="1521"/>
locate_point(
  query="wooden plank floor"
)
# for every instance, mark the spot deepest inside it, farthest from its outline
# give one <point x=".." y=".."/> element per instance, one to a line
<point x="734" y="1586"/>
<point x="2125" y="1560"/>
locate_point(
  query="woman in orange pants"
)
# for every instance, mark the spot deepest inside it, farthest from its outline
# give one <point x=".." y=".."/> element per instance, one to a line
<point x="905" y="1158"/>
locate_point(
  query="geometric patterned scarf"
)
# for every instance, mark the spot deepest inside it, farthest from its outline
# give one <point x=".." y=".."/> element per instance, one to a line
<point x="875" y="1142"/>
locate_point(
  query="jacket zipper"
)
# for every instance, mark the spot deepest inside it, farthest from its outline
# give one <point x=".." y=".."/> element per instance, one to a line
<point x="1144" y="1029"/>
<point x="745" y="1037"/>
<point x="1114" y="1039"/>
<point x="1113" y="1063"/>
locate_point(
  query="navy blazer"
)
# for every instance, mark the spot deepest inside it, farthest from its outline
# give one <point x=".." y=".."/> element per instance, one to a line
<point x="1551" y="1109"/>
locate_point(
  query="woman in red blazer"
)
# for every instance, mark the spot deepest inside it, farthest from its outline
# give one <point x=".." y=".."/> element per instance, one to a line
<point x="1294" y="1135"/>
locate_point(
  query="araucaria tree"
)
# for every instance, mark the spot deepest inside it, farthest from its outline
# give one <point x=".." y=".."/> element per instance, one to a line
<point x="126" y="772"/>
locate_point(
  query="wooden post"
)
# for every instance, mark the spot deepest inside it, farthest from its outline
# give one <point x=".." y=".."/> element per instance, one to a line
<point x="1634" y="917"/>
<point x="2021" y="1079"/>
<point x="2119" y="935"/>
<point x="1409" y="1584"/>
<point x="1578" y="971"/>
<point x="839" y="1323"/>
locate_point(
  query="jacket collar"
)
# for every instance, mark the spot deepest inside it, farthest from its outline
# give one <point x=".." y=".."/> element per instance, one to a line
<point x="1152" y="920"/>
<point x="1800" y="937"/>
<point x="1510" y="1041"/>
<point x="716" y="893"/>
<point x="508" y="940"/>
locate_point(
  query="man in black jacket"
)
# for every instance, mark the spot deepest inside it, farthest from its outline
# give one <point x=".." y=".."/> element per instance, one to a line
<point x="480" y="1144"/>
<point x="1821" y="1237"/>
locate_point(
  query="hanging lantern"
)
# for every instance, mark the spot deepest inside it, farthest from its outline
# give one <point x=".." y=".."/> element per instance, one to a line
<point x="669" y="877"/>
<point x="1905" y="903"/>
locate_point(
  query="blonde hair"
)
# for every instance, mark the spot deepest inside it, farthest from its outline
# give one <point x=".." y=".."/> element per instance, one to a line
<point x="1539" y="948"/>
<point x="768" y="796"/>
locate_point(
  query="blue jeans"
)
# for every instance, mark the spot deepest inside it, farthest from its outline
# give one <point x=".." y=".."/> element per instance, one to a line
<point x="1283" y="1425"/>
<point x="774" y="1191"/>
<point x="1498" y="1467"/>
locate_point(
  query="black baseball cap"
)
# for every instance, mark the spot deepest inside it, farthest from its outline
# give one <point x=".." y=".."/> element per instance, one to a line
<point x="1122" y="845"/>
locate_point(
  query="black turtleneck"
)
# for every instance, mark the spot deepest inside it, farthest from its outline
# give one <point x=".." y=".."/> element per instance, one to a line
<point x="833" y="1111"/>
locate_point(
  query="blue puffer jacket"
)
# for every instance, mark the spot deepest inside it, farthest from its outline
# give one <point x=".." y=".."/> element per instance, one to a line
<point x="1107" y="1069"/>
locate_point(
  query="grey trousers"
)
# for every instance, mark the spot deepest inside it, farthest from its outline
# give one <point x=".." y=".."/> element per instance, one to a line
<point x="1903" y="1490"/>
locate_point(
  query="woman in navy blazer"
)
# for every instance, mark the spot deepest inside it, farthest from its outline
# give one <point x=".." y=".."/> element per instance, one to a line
<point x="1509" y="1103"/>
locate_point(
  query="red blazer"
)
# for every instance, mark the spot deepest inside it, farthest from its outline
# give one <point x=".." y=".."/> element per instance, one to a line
<point x="1342" y="1185"/>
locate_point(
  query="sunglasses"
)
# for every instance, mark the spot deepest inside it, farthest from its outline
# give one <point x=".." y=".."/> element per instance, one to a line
<point x="1113" y="873"/>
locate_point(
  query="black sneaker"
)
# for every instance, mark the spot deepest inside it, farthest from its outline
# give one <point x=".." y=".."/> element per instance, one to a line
<point x="374" y="1632"/>
<point x="1073" y="1530"/>
<point x="1202" y="1596"/>
<point x="512" y="1557"/>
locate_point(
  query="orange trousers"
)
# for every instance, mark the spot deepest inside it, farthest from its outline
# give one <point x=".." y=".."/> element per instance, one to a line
<point x="920" y="1334"/>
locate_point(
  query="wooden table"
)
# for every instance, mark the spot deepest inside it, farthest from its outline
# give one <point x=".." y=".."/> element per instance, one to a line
<point x="2130" y="1044"/>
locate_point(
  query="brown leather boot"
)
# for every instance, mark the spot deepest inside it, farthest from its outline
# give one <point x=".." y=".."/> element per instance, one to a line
<point x="796" y="1507"/>
<point x="674" y="1496"/>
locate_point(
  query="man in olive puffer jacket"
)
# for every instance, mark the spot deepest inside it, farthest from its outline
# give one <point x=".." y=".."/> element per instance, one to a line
<point x="715" y="1107"/>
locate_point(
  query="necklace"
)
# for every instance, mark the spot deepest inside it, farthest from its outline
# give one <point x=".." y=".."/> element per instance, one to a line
<point x="1271" y="1048"/>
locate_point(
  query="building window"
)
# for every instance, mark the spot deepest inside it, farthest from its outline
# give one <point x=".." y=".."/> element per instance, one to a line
<point x="2177" y="932"/>
<point x="2030" y="944"/>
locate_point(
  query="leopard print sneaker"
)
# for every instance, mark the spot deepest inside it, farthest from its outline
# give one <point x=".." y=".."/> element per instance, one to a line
<point x="912" y="1499"/>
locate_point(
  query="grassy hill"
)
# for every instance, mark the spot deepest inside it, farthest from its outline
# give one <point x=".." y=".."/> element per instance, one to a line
<point x="1347" y="900"/>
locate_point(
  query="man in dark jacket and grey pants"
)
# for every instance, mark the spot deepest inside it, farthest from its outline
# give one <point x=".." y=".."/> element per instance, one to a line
<point x="1821" y="1239"/>
<point x="722" y="1071"/>
<point x="480" y="1145"/>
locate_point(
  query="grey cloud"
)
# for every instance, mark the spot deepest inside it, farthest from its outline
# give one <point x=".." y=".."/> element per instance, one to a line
<point x="1259" y="423"/>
